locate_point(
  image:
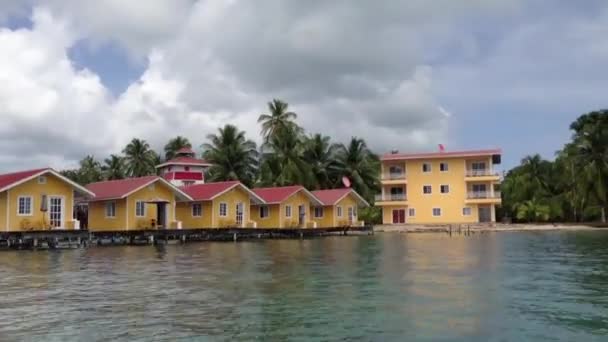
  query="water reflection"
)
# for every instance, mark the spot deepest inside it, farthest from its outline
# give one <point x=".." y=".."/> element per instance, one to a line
<point x="510" y="286"/>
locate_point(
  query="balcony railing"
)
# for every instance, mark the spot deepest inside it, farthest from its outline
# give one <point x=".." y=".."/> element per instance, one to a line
<point x="483" y="194"/>
<point x="393" y="175"/>
<point x="481" y="173"/>
<point x="391" y="197"/>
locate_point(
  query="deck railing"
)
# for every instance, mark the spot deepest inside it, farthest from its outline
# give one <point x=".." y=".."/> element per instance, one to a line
<point x="393" y="197"/>
<point x="393" y="175"/>
<point x="483" y="194"/>
<point x="481" y="173"/>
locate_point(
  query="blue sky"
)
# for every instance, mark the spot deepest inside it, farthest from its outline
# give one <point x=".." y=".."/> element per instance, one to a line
<point x="402" y="74"/>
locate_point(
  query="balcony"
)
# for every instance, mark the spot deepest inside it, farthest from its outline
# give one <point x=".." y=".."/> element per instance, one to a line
<point x="484" y="197"/>
<point x="391" y="199"/>
<point x="393" y="178"/>
<point x="481" y="175"/>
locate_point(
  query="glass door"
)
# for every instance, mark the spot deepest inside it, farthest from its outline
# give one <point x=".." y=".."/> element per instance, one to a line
<point x="56" y="211"/>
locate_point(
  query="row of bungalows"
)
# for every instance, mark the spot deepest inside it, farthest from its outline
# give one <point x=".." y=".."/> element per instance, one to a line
<point x="44" y="199"/>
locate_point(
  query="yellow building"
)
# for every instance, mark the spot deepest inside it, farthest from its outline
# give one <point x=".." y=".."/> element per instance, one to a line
<point x="285" y="207"/>
<point x="339" y="208"/>
<point x="217" y="205"/>
<point x="133" y="204"/>
<point x="442" y="187"/>
<point x="38" y="199"/>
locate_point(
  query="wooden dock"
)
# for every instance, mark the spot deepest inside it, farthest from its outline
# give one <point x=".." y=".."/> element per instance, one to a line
<point x="52" y="239"/>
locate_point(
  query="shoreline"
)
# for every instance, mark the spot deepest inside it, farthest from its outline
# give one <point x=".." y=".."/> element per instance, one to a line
<point x="416" y="228"/>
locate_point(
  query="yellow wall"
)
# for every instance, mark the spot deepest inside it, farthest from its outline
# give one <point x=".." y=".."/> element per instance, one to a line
<point x="451" y="204"/>
<point x="273" y="219"/>
<point x="328" y="220"/>
<point x="231" y="198"/>
<point x="38" y="220"/>
<point x="125" y="210"/>
<point x="184" y="214"/>
<point x="295" y="201"/>
<point x="330" y="213"/>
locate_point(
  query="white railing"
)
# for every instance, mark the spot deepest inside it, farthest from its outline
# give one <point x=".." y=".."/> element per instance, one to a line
<point x="389" y="197"/>
<point x="483" y="194"/>
<point x="393" y="175"/>
<point x="481" y="173"/>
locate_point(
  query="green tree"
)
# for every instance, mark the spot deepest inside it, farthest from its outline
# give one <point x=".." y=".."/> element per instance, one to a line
<point x="175" y="145"/>
<point x="532" y="211"/>
<point x="232" y="155"/>
<point x="279" y="118"/>
<point x="320" y="156"/>
<point x="89" y="171"/>
<point x="140" y="160"/>
<point x="283" y="160"/>
<point x="113" y="168"/>
<point x="361" y="166"/>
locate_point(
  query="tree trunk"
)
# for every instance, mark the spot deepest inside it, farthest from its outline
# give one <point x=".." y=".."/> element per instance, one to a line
<point x="603" y="214"/>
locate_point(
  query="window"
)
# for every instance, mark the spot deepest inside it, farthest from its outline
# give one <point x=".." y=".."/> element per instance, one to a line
<point x="318" y="212"/>
<point x="25" y="206"/>
<point x="110" y="209"/>
<point x="427" y="189"/>
<point x="445" y="189"/>
<point x="287" y="211"/>
<point x="436" y="211"/>
<point x="443" y="167"/>
<point x="411" y="212"/>
<point x="197" y="210"/>
<point x="223" y="209"/>
<point x="263" y="211"/>
<point x="426" y="167"/>
<point x="140" y="209"/>
<point x="478" y="166"/>
<point x="339" y="210"/>
<point x="187" y="168"/>
<point x="42" y="180"/>
<point x="466" y="211"/>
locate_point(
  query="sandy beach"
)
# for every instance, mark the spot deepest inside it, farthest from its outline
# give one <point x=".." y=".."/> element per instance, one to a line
<point x="476" y="228"/>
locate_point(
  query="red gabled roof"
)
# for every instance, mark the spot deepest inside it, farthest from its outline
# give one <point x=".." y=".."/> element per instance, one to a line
<point x="184" y="161"/>
<point x="206" y="192"/>
<point x="185" y="150"/>
<point x="8" y="179"/>
<point x="331" y="197"/>
<point x="432" y="155"/>
<point x="277" y="195"/>
<point x="115" y="189"/>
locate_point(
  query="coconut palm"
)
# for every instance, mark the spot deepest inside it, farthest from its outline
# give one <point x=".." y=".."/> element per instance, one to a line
<point x="361" y="166"/>
<point x="279" y="118"/>
<point x="232" y="155"/>
<point x="175" y="145"/>
<point x="283" y="160"/>
<point x="319" y="154"/>
<point x="139" y="158"/>
<point x="90" y="170"/>
<point x="532" y="211"/>
<point x="113" y="168"/>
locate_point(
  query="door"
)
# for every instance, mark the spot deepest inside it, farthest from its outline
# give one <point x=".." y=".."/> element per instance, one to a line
<point x="161" y="215"/>
<point x="301" y="215"/>
<point x="56" y="211"/>
<point x="485" y="214"/>
<point x="399" y="216"/>
<point x="351" y="215"/>
<point x="239" y="214"/>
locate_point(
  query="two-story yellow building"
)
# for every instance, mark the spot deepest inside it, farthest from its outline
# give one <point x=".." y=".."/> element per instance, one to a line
<point x="441" y="187"/>
<point x="217" y="205"/>
<point x="285" y="207"/>
<point x="339" y="209"/>
<point x="38" y="200"/>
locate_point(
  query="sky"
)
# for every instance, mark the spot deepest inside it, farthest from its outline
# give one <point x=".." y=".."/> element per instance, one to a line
<point x="83" y="78"/>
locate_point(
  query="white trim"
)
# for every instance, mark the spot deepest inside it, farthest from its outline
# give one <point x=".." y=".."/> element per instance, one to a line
<point x="430" y="167"/>
<point x="171" y="186"/>
<point x="356" y="194"/>
<point x="180" y="163"/>
<point x="31" y="213"/>
<point x="192" y="209"/>
<point x="267" y="212"/>
<point x="62" y="198"/>
<point x="315" y="213"/>
<point x="309" y="194"/>
<point x="433" y="212"/>
<point x="42" y="179"/>
<point x="54" y="173"/>
<point x="339" y="211"/>
<point x="251" y="193"/>
<point x="444" y="193"/>
<point x="290" y="211"/>
<point x="470" y="211"/>
<point x="105" y="210"/>
<point x="447" y="167"/>
<point x="220" y="209"/>
<point x="429" y="185"/>
<point x="126" y="213"/>
<point x="409" y="212"/>
<point x="8" y="206"/>
<point x="144" y="208"/>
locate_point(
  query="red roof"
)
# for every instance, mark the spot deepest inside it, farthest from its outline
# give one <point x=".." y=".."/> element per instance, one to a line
<point x="8" y="179"/>
<point x="432" y="155"/>
<point x="183" y="175"/>
<point x="185" y="150"/>
<point x="279" y="194"/>
<point x="206" y="192"/>
<point x="184" y="161"/>
<point x="331" y="197"/>
<point x="115" y="189"/>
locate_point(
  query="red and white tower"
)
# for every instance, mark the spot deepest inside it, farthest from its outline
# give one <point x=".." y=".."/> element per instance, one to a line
<point x="185" y="169"/>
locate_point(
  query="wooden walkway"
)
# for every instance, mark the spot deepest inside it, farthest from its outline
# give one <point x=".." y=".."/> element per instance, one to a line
<point x="82" y="238"/>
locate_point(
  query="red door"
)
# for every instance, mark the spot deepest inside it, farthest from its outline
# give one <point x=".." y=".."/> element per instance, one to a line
<point x="399" y="216"/>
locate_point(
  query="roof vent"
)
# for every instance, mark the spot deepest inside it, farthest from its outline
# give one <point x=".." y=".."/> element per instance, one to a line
<point x="394" y="151"/>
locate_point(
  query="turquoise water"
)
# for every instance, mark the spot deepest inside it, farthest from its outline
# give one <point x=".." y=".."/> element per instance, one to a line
<point x="549" y="286"/>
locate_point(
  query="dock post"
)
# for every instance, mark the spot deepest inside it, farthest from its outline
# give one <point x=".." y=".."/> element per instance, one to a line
<point x="8" y="243"/>
<point x="35" y="243"/>
<point x="234" y="237"/>
<point x="151" y="239"/>
<point x="301" y="235"/>
<point x="450" y="230"/>
<point x="183" y="238"/>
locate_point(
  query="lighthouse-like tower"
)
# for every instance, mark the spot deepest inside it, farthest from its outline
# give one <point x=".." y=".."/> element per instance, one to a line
<point x="185" y="169"/>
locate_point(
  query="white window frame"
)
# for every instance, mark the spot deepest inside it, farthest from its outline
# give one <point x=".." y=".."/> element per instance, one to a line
<point x="31" y="206"/>
<point x="430" y="165"/>
<point x="223" y="205"/>
<point x="430" y="187"/>
<point x="266" y="210"/>
<point x="447" y="167"/>
<point x="339" y="211"/>
<point x="196" y="210"/>
<point x="42" y="179"/>
<point x="470" y="211"/>
<point x="288" y="211"/>
<point x="410" y="211"/>
<point x="440" y="212"/>
<point x="113" y="206"/>
<point x="441" y="189"/>
<point x="319" y="210"/>
<point x="143" y="208"/>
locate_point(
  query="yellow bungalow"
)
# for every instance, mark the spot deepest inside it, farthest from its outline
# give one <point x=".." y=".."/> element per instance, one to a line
<point x="339" y="208"/>
<point x="37" y="200"/>
<point x="217" y="205"/>
<point x="285" y="207"/>
<point x="133" y="204"/>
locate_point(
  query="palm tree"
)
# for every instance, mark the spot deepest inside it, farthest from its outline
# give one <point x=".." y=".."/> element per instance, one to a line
<point x="283" y="162"/>
<point x="113" y="168"/>
<point x="361" y="166"/>
<point x="175" y="145"/>
<point x="90" y="170"/>
<point x="278" y="119"/>
<point x="532" y="211"/>
<point x="139" y="158"/>
<point x="319" y="154"/>
<point x="232" y="155"/>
